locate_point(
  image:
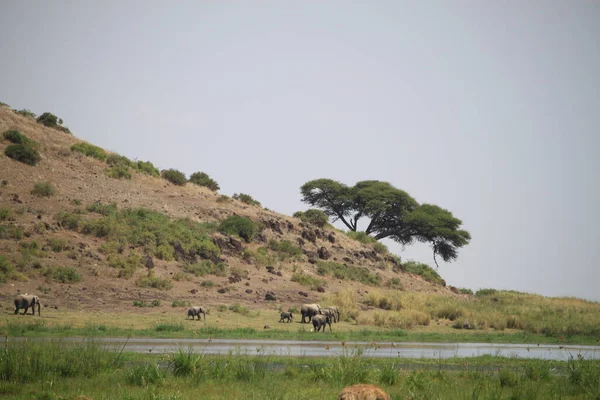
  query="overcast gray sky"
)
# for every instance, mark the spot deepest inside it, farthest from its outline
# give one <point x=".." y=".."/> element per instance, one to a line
<point x="488" y="109"/>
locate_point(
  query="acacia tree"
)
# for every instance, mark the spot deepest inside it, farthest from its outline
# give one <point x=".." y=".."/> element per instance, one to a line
<point x="391" y="212"/>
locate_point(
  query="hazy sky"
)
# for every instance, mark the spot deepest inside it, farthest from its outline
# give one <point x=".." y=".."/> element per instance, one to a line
<point x="488" y="109"/>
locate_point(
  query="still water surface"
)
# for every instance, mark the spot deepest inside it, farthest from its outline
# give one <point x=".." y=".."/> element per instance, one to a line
<point x="370" y="349"/>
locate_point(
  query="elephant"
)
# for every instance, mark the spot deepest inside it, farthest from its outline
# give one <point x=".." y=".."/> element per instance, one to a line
<point x="286" y="316"/>
<point x="336" y="313"/>
<point x="330" y="313"/>
<point x="321" y="321"/>
<point x="309" y="310"/>
<point x="196" y="311"/>
<point x="25" y="301"/>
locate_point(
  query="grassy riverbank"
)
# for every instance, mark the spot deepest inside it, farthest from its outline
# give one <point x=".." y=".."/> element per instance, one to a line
<point x="160" y="326"/>
<point x="57" y="370"/>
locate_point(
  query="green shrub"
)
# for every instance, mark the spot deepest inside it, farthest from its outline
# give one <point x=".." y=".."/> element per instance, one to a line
<point x="118" y="172"/>
<point x="425" y="271"/>
<point x="7" y="269"/>
<point x="285" y="249"/>
<point x="103" y="209"/>
<point x="23" y="153"/>
<point x="155" y="282"/>
<point x="236" y="308"/>
<point x="361" y="237"/>
<point x="202" y="179"/>
<point x="89" y="150"/>
<point x="11" y="232"/>
<point x="52" y="121"/>
<point x="63" y="274"/>
<point x="179" y="303"/>
<point x="68" y="220"/>
<point x="207" y="284"/>
<point x="241" y="226"/>
<point x="465" y="291"/>
<point x="17" y="137"/>
<point x="395" y="283"/>
<point x="43" y="189"/>
<point x="139" y="303"/>
<point x="307" y="280"/>
<point x="174" y="176"/>
<point x="5" y="214"/>
<point x="223" y="199"/>
<point x="114" y="159"/>
<point x="245" y="198"/>
<point x="26" y="113"/>
<point x="380" y="248"/>
<point x="313" y="216"/>
<point x="341" y="271"/>
<point x="146" y="167"/>
<point x="48" y="119"/>
<point x="57" y="244"/>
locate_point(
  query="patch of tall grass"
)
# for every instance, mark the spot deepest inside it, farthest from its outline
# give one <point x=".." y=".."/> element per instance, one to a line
<point x="39" y="360"/>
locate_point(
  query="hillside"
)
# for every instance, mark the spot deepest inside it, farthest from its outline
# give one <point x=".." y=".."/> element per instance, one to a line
<point x="101" y="232"/>
<point x="81" y="181"/>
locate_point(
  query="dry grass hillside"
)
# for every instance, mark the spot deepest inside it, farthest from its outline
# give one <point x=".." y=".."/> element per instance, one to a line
<point x="81" y="270"/>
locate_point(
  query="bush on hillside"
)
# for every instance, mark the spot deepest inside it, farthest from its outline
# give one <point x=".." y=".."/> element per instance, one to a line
<point x="52" y="121"/>
<point x="174" y="176"/>
<point x="245" y="198"/>
<point x="313" y="216"/>
<point x="146" y="167"/>
<point x="89" y="150"/>
<point x="48" y="119"/>
<point x="43" y="189"/>
<point x="17" y="137"/>
<point x="361" y="237"/>
<point x="7" y="269"/>
<point x="241" y="226"/>
<point x="118" y="172"/>
<point x="202" y="179"/>
<point x="63" y="274"/>
<point x="117" y="159"/>
<point x="26" y="113"/>
<point x="425" y="271"/>
<point x="23" y="153"/>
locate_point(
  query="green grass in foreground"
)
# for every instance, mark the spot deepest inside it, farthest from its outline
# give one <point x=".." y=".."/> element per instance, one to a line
<point x="61" y="370"/>
<point x="40" y="328"/>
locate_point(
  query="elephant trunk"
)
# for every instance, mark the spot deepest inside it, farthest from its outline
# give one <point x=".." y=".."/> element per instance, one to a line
<point x="39" y="307"/>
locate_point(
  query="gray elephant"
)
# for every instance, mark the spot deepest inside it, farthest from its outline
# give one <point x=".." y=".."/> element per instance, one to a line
<point x="25" y="301"/>
<point x="196" y="311"/>
<point x="330" y="313"/>
<point x="321" y="321"/>
<point x="309" y="310"/>
<point x="335" y="311"/>
<point x="286" y="317"/>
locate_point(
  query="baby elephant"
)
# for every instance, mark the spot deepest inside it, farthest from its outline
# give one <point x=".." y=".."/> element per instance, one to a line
<point x="286" y="316"/>
<point x="196" y="311"/>
<point x="321" y="321"/>
<point x="363" y="392"/>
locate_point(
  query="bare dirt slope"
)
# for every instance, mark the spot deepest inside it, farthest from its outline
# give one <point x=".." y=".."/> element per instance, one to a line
<point x="82" y="180"/>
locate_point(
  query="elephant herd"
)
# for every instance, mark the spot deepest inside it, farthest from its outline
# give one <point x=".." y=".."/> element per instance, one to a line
<point x="320" y="317"/>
